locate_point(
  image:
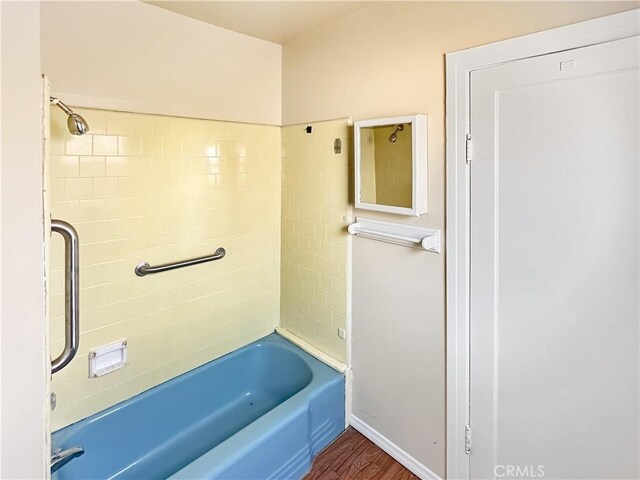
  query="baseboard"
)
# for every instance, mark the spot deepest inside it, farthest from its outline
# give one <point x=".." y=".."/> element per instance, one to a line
<point x="392" y="449"/>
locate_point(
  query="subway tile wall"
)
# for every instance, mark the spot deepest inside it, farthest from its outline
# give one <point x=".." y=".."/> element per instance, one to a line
<point x="315" y="214"/>
<point x="157" y="189"/>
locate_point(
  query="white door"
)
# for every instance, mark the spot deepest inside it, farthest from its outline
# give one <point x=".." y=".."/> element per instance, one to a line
<point x="555" y="266"/>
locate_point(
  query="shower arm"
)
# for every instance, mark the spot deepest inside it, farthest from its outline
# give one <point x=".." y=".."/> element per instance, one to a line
<point x="61" y="105"/>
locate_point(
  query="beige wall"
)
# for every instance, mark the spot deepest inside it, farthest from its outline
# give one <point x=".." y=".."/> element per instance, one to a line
<point x="388" y="59"/>
<point x="157" y="189"/>
<point x="315" y="210"/>
<point x="24" y="444"/>
<point x="385" y="60"/>
<point x="397" y="350"/>
<point x="127" y="55"/>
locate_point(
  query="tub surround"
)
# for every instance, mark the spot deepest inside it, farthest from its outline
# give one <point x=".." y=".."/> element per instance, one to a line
<point x="315" y="246"/>
<point x="279" y="407"/>
<point x="159" y="189"/>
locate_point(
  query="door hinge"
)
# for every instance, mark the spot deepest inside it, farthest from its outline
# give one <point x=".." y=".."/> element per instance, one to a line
<point x="469" y="152"/>
<point x="467" y="439"/>
<point x="54" y="401"/>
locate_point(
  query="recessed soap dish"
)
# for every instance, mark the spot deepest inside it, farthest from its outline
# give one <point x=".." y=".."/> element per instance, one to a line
<point x="107" y="359"/>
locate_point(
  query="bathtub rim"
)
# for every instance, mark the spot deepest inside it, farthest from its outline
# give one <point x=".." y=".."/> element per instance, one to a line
<point x="273" y="338"/>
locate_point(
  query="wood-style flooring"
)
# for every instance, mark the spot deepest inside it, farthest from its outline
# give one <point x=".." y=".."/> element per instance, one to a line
<point x="352" y="456"/>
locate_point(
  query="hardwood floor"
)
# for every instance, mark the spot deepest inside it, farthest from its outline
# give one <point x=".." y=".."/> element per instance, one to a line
<point x="354" y="457"/>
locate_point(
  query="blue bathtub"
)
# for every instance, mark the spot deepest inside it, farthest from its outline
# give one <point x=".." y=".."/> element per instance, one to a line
<point x="261" y="412"/>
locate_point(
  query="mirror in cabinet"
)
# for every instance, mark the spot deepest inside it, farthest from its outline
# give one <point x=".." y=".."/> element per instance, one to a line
<point x="391" y="164"/>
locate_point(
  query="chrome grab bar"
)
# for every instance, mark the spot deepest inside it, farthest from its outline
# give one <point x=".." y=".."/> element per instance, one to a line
<point x="71" y="294"/>
<point x="144" y="268"/>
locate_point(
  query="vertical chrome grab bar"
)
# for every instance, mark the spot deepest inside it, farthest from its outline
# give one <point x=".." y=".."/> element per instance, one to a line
<point x="71" y="294"/>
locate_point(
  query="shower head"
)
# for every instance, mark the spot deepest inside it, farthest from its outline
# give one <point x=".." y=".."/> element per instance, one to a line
<point x="394" y="136"/>
<point x="75" y="123"/>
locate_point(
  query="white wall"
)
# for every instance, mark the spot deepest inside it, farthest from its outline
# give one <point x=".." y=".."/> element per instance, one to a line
<point x="385" y="60"/>
<point x="24" y="437"/>
<point x="135" y="57"/>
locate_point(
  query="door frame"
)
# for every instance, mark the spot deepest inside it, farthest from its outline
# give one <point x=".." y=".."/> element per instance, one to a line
<point x="459" y="66"/>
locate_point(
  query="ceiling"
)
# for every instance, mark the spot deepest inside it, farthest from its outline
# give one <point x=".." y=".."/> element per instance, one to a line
<point x="276" y="22"/>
